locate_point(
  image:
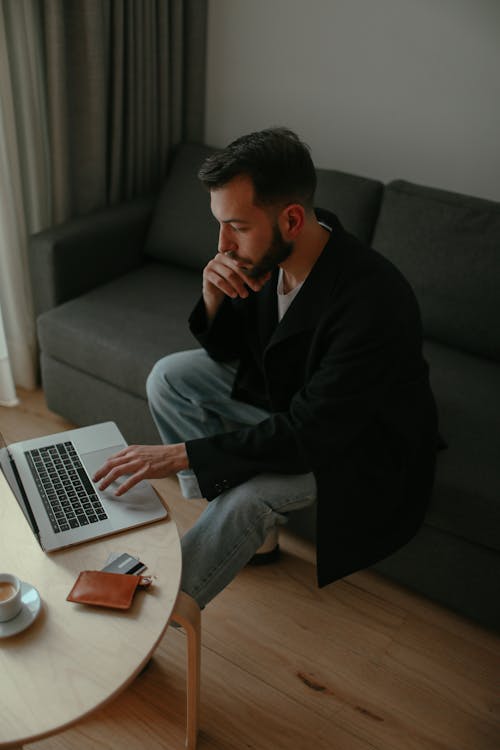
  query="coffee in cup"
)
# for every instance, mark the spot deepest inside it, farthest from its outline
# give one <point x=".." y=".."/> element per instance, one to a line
<point x="10" y="596"/>
<point x="7" y="590"/>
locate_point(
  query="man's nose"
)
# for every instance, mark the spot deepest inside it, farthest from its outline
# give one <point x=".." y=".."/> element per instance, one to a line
<point x="226" y="242"/>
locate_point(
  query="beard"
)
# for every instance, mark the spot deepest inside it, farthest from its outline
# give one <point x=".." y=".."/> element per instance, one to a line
<point x="277" y="253"/>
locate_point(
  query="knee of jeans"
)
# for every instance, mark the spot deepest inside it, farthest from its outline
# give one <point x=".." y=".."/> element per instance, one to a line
<point x="158" y="380"/>
<point x="175" y="371"/>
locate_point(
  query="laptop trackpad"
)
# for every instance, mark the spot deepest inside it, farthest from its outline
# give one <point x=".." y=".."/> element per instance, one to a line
<point x="141" y="496"/>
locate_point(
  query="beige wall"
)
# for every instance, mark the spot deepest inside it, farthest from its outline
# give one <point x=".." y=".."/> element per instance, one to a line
<point x="383" y="88"/>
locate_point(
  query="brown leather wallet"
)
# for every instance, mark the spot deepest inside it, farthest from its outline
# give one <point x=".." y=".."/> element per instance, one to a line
<point x="101" y="589"/>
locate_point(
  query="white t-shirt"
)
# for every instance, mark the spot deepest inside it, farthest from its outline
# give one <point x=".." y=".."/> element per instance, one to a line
<point x="285" y="300"/>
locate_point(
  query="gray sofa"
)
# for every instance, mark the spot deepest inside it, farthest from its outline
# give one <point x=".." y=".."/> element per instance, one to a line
<point x="113" y="292"/>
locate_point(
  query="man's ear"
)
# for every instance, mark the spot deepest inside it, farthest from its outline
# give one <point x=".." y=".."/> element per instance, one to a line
<point x="291" y="221"/>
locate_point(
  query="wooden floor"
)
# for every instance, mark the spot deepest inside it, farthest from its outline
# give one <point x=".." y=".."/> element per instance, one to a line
<point x="361" y="665"/>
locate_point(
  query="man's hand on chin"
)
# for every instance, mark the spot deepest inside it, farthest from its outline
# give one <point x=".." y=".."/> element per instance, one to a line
<point x="142" y="462"/>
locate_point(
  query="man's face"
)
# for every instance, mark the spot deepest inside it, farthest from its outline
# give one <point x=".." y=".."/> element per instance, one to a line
<point x="249" y="234"/>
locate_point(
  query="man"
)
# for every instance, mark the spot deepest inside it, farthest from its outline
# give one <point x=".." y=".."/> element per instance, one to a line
<point x="310" y="385"/>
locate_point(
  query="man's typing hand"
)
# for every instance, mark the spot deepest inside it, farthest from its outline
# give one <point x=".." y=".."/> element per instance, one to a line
<point x="141" y="462"/>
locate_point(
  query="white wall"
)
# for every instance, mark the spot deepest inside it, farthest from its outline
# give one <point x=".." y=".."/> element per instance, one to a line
<point x="384" y="88"/>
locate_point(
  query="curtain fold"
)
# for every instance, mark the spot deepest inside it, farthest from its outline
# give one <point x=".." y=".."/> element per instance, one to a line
<point x="24" y="175"/>
<point x="125" y="82"/>
<point x="93" y="96"/>
<point x="8" y="396"/>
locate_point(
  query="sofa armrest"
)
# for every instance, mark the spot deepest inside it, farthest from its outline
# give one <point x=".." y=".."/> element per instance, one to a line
<point x="70" y="259"/>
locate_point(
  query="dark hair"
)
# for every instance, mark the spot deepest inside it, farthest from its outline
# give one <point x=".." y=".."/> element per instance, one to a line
<point x="276" y="160"/>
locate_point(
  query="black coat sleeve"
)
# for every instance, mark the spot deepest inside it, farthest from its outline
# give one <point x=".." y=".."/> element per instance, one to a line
<point x="222" y="338"/>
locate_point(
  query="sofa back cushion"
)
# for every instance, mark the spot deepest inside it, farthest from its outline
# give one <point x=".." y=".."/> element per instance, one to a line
<point x="355" y="200"/>
<point x="448" y="247"/>
<point x="183" y="230"/>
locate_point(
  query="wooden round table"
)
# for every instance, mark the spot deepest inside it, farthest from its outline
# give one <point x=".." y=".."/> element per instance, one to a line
<point x="73" y="658"/>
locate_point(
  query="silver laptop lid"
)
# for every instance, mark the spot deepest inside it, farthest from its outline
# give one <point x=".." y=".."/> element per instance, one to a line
<point x="8" y="469"/>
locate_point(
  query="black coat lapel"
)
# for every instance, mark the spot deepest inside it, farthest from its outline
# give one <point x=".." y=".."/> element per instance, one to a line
<point x="267" y="310"/>
<point x="308" y="305"/>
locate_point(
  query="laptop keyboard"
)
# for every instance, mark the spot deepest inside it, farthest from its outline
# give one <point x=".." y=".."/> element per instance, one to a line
<point x="68" y="495"/>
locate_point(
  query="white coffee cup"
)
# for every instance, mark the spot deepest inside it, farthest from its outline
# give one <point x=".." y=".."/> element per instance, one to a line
<point x="10" y="597"/>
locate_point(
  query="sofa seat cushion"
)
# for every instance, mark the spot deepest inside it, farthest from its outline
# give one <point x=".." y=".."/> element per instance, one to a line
<point x="119" y="330"/>
<point x="466" y="498"/>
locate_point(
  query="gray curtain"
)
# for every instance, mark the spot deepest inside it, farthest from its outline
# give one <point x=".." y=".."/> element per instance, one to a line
<point x="125" y="83"/>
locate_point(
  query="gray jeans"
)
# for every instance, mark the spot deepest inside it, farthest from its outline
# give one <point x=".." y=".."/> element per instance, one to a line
<point x="190" y="397"/>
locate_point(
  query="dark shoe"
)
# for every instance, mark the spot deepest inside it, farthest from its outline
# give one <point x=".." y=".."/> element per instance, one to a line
<point x="265" y="558"/>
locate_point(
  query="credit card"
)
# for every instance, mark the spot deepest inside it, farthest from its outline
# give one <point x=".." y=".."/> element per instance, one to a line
<point x="124" y="563"/>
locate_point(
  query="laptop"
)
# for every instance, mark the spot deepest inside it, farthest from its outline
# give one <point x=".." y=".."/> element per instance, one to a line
<point x="51" y="478"/>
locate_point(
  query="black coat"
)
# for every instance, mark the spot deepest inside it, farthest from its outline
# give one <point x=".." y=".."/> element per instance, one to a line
<point x="345" y="380"/>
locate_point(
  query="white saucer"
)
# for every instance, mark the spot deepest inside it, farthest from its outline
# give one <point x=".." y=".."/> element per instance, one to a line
<point x="28" y="614"/>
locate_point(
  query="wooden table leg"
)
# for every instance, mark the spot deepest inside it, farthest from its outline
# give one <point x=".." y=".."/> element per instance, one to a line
<point x="187" y="614"/>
